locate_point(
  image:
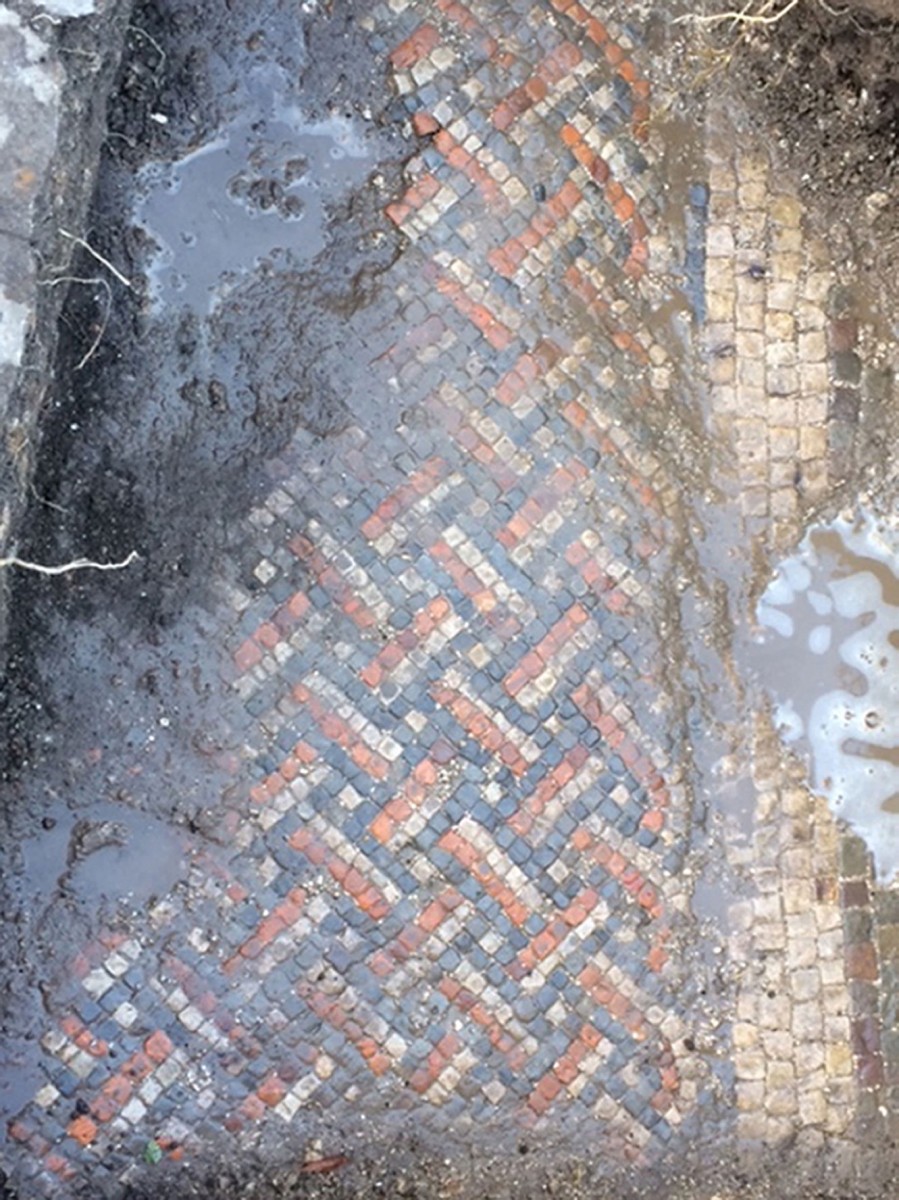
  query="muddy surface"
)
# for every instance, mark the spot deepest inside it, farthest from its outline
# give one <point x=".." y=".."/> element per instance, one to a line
<point x="156" y="439"/>
<point x="829" y="83"/>
<point x="407" y="1168"/>
<point x="197" y="397"/>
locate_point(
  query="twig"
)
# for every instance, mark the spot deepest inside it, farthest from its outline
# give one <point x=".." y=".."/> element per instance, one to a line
<point x="114" y="133"/>
<point x="99" y="336"/>
<point x="99" y="257"/>
<point x="739" y="18"/>
<point x="77" y="564"/>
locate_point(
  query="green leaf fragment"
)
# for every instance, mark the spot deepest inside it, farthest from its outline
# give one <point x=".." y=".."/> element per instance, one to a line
<point x="152" y="1152"/>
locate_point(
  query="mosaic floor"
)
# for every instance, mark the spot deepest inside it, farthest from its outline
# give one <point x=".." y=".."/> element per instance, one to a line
<point x="451" y="873"/>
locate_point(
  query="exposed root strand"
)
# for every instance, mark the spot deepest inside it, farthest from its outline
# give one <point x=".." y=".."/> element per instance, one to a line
<point x="743" y="17"/>
<point x="77" y="564"/>
<point x="104" y="262"/>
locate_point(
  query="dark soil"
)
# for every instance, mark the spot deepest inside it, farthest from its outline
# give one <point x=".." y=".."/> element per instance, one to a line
<point x="825" y="81"/>
<point x="829" y="83"/>
<point x="406" y="1168"/>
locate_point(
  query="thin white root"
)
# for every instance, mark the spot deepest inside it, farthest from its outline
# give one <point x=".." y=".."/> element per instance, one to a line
<point x="94" y="281"/>
<point x="99" y="257"/>
<point x="739" y="18"/>
<point x="85" y="359"/>
<point x="77" y="564"/>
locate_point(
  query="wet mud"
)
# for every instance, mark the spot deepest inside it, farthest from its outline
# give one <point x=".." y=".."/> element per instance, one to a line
<point x="158" y="443"/>
<point x="826" y="77"/>
<point x="170" y="402"/>
<point x="405" y="1167"/>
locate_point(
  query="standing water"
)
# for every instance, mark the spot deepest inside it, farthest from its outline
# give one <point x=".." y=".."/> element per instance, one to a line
<point x="830" y="658"/>
<point x="258" y="191"/>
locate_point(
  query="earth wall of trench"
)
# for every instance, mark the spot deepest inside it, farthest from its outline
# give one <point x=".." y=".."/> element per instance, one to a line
<point x="60" y="61"/>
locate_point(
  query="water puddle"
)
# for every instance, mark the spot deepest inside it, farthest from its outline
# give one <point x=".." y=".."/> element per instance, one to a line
<point x="257" y="193"/>
<point x="114" y="854"/>
<point x="830" y="658"/>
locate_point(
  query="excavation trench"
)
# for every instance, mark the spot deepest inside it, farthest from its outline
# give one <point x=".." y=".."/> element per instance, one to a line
<point x="287" y="391"/>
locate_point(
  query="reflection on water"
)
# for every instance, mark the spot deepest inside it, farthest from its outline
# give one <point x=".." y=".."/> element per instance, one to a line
<point x="259" y="191"/>
<point x="114" y="854"/>
<point x="830" y="658"/>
